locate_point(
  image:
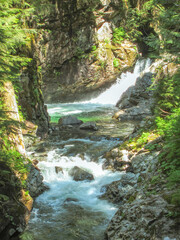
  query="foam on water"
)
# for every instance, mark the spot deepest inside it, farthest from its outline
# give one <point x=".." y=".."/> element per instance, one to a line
<point x="62" y="186"/>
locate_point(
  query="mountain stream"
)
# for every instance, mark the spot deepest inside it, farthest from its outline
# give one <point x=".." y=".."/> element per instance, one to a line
<point x="72" y="210"/>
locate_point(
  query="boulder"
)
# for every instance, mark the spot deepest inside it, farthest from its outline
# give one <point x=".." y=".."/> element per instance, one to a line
<point x="35" y="183"/>
<point x="116" y="160"/>
<point x="69" y="120"/>
<point x="70" y="200"/>
<point x="119" y="191"/>
<point x="58" y="169"/>
<point x="79" y="174"/>
<point x="89" y="126"/>
<point x="136" y="102"/>
<point x="138" y="93"/>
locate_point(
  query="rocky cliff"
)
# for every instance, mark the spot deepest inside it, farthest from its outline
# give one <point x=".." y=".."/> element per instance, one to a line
<point x="80" y="52"/>
<point x="146" y="210"/>
<point x="18" y="176"/>
<point x="30" y="96"/>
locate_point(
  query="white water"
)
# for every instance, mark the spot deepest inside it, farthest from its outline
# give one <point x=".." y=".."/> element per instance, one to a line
<point x="57" y="208"/>
<point x="62" y="186"/>
<point x="126" y="80"/>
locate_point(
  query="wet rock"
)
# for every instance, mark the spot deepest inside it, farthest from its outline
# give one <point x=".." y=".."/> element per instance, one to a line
<point x="119" y="191"/>
<point x="35" y="183"/>
<point x="58" y="169"/>
<point x="143" y="219"/>
<point x="138" y="112"/>
<point x="89" y="126"/>
<point x="72" y="69"/>
<point x="69" y="120"/>
<point x="116" y="160"/>
<point x="111" y="192"/>
<point x="79" y="174"/>
<point x="135" y="94"/>
<point x="70" y="200"/>
<point x="40" y="150"/>
<point x="136" y="102"/>
<point x="143" y="162"/>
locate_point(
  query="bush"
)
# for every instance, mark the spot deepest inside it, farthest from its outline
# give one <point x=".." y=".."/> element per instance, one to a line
<point x="119" y="35"/>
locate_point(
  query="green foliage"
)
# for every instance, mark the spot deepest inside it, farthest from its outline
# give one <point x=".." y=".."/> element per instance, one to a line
<point x="94" y="48"/>
<point x="12" y="37"/>
<point x="3" y="198"/>
<point x="142" y="139"/>
<point x="175" y="199"/>
<point x="167" y="18"/>
<point x="107" y="41"/>
<point x="118" y="35"/>
<point x="168" y="120"/>
<point x="116" y="62"/>
<point x="102" y="64"/>
<point x="168" y="125"/>
<point x="15" y="161"/>
<point x="80" y="53"/>
<point x="134" y="21"/>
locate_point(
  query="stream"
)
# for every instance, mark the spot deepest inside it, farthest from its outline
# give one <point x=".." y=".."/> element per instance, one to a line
<point x="72" y="210"/>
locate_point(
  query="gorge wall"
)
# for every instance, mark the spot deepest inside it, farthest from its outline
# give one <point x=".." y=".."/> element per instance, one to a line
<point x="79" y="52"/>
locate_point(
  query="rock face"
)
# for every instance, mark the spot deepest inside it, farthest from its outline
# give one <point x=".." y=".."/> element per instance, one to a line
<point x="143" y="206"/>
<point x="69" y="120"/>
<point x="120" y="191"/>
<point x="138" y="93"/>
<point x="30" y="96"/>
<point x="15" y="136"/>
<point x="89" y="126"/>
<point x="137" y="101"/>
<point x="13" y="213"/>
<point x="79" y="57"/>
<point x="145" y="219"/>
<point x="79" y="174"/>
<point x="35" y="183"/>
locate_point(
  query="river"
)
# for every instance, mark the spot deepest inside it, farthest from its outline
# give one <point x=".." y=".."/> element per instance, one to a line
<point x="70" y="209"/>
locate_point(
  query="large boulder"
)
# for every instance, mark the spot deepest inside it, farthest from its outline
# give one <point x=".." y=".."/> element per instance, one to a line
<point x="138" y="93"/>
<point x="79" y="174"/>
<point x="136" y="102"/>
<point x="35" y="183"/>
<point x="89" y="126"/>
<point x="69" y="120"/>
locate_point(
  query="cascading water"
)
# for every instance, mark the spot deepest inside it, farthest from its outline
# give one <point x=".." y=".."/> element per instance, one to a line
<point x="70" y="209"/>
<point x="112" y="95"/>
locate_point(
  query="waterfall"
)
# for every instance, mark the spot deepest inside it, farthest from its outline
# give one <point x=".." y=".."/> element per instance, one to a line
<point x="113" y="94"/>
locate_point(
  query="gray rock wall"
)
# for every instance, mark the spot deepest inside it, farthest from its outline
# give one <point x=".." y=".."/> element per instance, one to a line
<point x="76" y="51"/>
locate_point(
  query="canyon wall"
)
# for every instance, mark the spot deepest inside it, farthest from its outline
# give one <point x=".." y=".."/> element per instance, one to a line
<point x="79" y="52"/>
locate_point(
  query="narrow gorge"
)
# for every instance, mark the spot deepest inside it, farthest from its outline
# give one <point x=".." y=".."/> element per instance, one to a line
<point x="90" y="120"/>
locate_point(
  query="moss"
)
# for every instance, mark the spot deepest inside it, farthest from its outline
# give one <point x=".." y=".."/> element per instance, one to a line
<point x="132" y="198"/>
<point x="139" y="179"/>
<point x="155" y="179"/>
